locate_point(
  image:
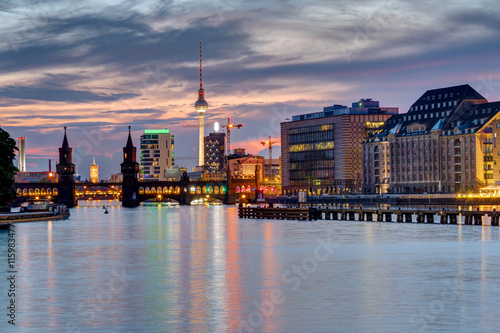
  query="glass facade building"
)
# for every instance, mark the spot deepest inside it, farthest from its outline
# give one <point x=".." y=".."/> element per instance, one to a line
<point x="311" y="155"/>
<point x="321" y="152"/>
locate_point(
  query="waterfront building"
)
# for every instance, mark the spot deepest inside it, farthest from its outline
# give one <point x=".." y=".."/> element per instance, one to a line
<point x="271" y="185"/>
<point x="242" y="165"/>
<point x="157" y="153"/>
<point x="35" y="177"/>
<point x="445" y="143"/>
<point x="117" y="177"/>
<point x="21" y="157"/>
<point x="272" y="171"/>
<point x="175" y="173"/>
<point x="94" y="172"/>
<point x="321" y="152"/>
<point x="215" y="147"/>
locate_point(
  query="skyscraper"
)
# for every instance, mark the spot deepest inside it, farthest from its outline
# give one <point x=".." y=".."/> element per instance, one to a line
<point x="21" y="159"/>
<point x="215" y="147"/>
<point x="157" y="153"/>
<point x="201" y="106"/>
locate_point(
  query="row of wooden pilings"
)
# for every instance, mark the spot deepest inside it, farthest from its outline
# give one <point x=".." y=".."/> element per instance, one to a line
<point x="375" y="215"/>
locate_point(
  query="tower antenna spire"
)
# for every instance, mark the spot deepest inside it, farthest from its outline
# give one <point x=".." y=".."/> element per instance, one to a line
<point x="201" y="73"/>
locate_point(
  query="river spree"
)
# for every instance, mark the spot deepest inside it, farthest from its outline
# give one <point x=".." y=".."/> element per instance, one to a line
<point x="201" y="269"/>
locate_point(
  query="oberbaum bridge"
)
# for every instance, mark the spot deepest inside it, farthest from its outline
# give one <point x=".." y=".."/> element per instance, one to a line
<point x="133" y="190"/>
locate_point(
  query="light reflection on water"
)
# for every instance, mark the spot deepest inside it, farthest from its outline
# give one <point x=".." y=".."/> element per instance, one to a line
<point x="201" y="269"/>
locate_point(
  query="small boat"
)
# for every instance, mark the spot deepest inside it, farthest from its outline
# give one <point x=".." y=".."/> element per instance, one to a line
<point x="35" y="211"/>
<point x="160" y="202"/>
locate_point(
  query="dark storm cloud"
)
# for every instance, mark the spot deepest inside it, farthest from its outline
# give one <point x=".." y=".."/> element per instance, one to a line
<point x="489" y="20"/>
<point x="61" y="95"/>
<point x="120" y="43"/>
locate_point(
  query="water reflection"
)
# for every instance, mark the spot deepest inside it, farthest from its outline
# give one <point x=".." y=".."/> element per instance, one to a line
<point x="201" y="269"/>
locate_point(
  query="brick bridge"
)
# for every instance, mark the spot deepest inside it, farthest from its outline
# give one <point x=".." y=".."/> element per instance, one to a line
<point x="133" y="191"/>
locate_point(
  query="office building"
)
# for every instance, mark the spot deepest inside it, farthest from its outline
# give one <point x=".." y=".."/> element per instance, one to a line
<point x="215" y="146"/>
<point x="321" y="152"/>
<point x="445" y="143"/>
<point x="157" y="154"/>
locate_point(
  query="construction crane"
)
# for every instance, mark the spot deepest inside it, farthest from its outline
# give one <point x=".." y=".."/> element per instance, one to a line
<point x="269" y="143"/>
<point x="229" y="126"/>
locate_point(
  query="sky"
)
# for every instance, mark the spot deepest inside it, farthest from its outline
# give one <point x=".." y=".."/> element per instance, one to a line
<point x="100" y="66"/>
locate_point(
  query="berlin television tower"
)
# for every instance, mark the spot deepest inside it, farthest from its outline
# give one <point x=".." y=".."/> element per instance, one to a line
<point x="201" y="106"/>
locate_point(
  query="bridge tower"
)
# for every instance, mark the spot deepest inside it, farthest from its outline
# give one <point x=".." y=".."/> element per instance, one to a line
<point x="130" y="170"/>
<point x="184" y="184"/>
<point x="65" y="171"/>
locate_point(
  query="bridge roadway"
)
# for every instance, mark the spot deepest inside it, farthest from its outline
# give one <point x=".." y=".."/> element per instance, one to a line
<point x="184" y="193"/>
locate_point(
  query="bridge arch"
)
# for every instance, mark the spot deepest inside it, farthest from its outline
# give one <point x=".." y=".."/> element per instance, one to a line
<point x="43" y="192"/>
<point x="237" y="189"/>
<point x="216" y="190"/>
<point x="165" y="189"/>
<point x="55" y="191"/>
<point x="141" y="190"/>
<point x="49" y="191"/>
<point x="147" y="190"/>
<point x="31" y="191"/>
<point x="177" y="190"/>
<point x="198" y="190"/>
<point x="204" y="190"/>
<point x="19" y="191"/>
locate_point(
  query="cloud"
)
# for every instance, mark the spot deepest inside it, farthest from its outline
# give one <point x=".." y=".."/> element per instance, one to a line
<point x="61" y="95"/>
<point x="136" y="111"/>
<point x="107" y="64"/>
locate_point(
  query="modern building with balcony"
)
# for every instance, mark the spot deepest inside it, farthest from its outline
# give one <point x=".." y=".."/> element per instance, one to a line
<point x="157" y="154"/>
<point x="321" y="152"/>
<point x="445" y="143"/>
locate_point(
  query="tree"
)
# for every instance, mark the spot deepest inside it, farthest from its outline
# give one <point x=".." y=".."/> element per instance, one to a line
<point x="7" y="169"/>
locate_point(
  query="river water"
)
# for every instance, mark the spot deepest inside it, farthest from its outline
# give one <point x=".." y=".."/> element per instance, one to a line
<point x="201" y="269"/>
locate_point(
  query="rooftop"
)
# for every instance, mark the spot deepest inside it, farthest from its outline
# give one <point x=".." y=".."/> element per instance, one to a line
<point x="364" y="106"/>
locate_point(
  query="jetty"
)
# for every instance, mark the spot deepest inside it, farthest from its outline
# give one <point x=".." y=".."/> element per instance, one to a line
<point x="443" y="216"/>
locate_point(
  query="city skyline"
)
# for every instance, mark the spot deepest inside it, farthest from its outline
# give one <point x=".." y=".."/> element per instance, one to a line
<point x="98" y="67"/>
